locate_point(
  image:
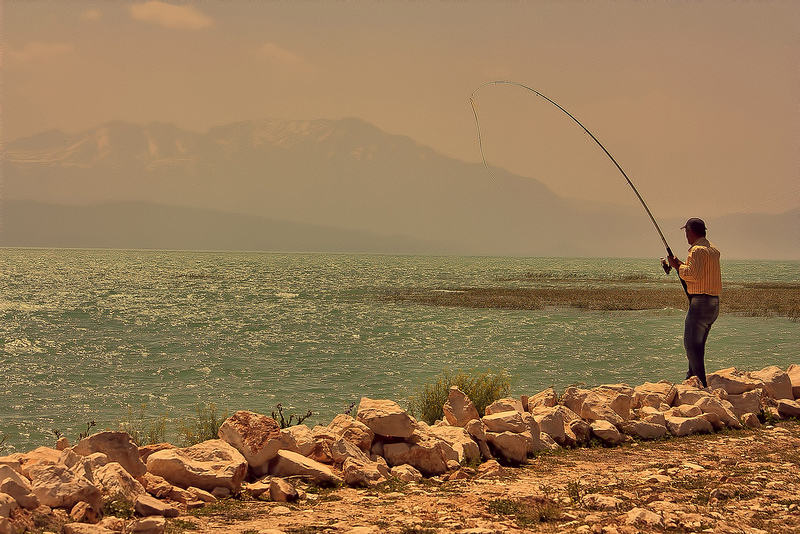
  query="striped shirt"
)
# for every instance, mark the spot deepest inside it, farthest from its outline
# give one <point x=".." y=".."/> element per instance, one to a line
<point x="701" y="271"/>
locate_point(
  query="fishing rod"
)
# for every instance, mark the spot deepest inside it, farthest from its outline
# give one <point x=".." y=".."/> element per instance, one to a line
<point x="664" y="263"/>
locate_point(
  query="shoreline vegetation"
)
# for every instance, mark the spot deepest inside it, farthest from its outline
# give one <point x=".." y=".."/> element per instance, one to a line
<point x="537" y="291"/>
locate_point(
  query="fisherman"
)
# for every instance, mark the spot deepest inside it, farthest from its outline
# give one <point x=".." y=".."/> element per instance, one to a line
<point x="703" y="278"/>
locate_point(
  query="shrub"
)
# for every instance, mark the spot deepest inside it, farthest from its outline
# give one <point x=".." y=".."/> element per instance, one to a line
<point x="483" y="388"/>
<point x="202" y="428"/>
<point x="142" y="430"/>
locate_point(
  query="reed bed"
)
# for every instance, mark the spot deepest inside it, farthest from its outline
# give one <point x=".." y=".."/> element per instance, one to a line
<point x="749" y="299"/>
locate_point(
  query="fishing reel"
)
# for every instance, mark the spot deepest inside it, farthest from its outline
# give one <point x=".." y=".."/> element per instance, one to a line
<point x="666" y="266"/>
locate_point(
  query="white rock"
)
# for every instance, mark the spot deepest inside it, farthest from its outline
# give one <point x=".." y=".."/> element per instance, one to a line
<point x="459" y="409"/>
<point x="510" y="445"/>
<point x="353" y="431"/>
<point x="733" y="381"/>
<point x="256" y="436"/>
<point x="58" y="487"/>
<point x="385" y="417"/>
<point x="288" y="463"/>
<point x="207" y="465"/>
<point x="507" y="404"/>
<point x="777" y="383"/>
<point x="118" y="446"/>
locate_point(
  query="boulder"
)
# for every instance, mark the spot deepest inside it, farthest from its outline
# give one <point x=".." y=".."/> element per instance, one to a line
<point x="426" y="455"/>
<point x="477" y="430"/>
<point x="684" y="410"/>
<point x="281" y="491"/>
<point x="146" y="450"/>
<point x="652" y="415"/>
<point x="84" y="465"/>
<point x="358" y="473"/>
<point x="459" y="441"/>
<point x="83" y="513"/>
<point x="298" y="438"/>
<point x="744" y="403"/>
<point x="545" y="399"/>
<point x="155" y="485"/>
<point x="491" y="469"/>
<point x="607" y="432"/>
<point x="786" y="408"/>
<point x="342" y="449"/>
<point x="19" y="487"/>
<point x="644" y="517"/>
<point x="654" y="394"/>
<point x="20" y="491"/>
<point x="644" y="429"/>
<point x="733" y="381"/>
<point x="794" y="376"/>
<point x="257" y="437"/>
<point x="777" y="383"/>
<point x="148" y="525"/>
<point x="118" y="446"/>
<point x="750" y="420"/>
<point x="721" y="408"/>
<point x="323" y="437"/>
<point x="147" y="505"/>
<point x="687" y="394"/>
<point x="550" y="421"/>
<point x="607" y="404"/>
<point x="507" y="404"/>
<point x="685" y="426"/>
<point x="38" y="456"/>
<point x="7" y="505"/>
<point x="117" y="484"/>
<point x="58" y="487"/>
<point x="580" y="431"/>
<point x="353" y="431"/>
<point x="288" y="463"/>
<point x="573" y="398"/>
<point x="207" y="466"/>
<point x="201" y="495"/>
<point x="510" y="445"/>
<point x="385" y="417"/>
<point x="459" y="409"/>
<point x="505" y="421"/>
<point x="406" y="473"/>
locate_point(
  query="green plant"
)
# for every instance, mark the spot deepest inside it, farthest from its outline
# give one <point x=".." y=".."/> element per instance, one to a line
<point x="142" y="430"/>
<point x="287" y="423"/>
<point x="527" y="510"/>
<point x="89" y="426"/>
<point x="201" y="428"/>
<point x="482" y="388"/>
<point x="179" y="525"/>
<point x="118" y="506"/>
<point x="3" y="446"/>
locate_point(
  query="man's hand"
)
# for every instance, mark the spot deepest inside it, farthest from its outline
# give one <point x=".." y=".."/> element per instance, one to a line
<point x="674" y="262"/>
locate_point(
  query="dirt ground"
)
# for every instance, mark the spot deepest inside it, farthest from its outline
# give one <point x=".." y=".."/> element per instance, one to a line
<point x="744" y="481"/>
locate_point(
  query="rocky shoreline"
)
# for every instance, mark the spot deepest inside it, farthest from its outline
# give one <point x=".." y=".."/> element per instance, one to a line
<point x="523" y="466"/>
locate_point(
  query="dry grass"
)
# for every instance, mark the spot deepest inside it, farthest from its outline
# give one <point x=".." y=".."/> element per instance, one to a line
<point x="750" y="299"/>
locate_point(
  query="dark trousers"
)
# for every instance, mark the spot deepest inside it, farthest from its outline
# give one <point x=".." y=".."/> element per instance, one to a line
<point x="703" y="311"/>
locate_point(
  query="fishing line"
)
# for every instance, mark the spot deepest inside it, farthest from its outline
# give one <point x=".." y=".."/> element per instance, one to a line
<point x="585" y="129"/>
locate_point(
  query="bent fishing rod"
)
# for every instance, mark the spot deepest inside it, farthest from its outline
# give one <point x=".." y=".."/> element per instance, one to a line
<point x="664" y="264"/>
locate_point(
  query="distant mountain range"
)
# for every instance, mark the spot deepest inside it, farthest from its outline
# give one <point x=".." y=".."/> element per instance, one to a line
<point x="332" y="186"/>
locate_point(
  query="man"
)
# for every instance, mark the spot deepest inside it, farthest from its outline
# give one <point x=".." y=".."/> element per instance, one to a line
<point x="703" y="278"/>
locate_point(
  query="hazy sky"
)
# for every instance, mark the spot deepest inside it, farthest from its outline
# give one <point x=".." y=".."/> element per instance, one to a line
<point x="698" y="101"/>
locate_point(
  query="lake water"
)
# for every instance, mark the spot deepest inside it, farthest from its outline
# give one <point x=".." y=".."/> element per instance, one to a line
<point x="87" y="334"/>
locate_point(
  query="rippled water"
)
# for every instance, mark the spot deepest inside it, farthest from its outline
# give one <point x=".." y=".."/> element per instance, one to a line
<point x="86" y="334"/>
